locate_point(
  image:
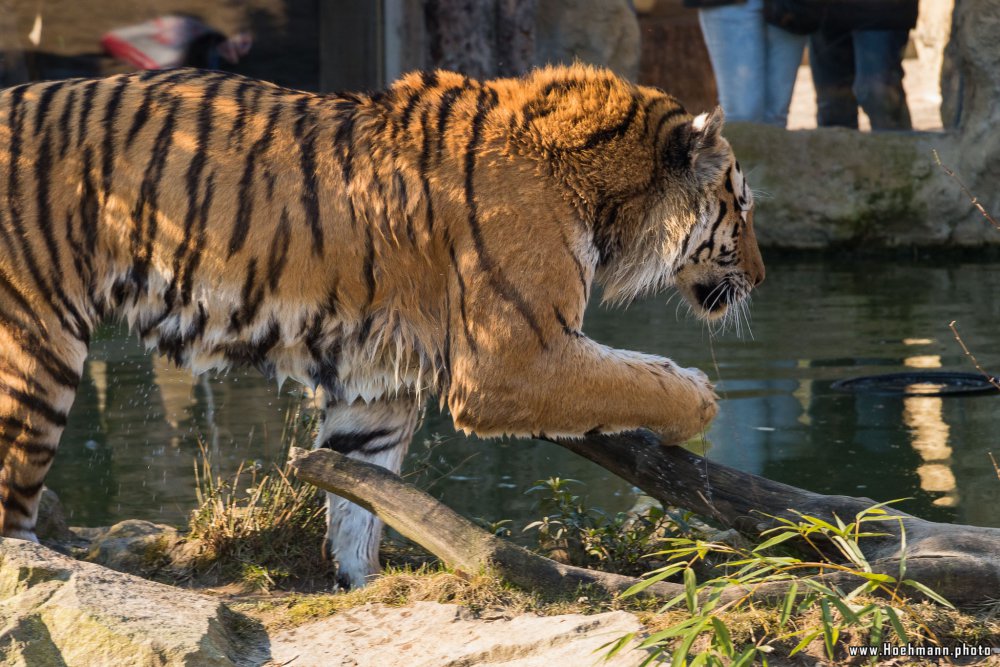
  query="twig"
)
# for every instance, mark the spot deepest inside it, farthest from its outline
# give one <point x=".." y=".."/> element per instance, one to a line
<point x="995" y="466"/>
<point x="968" y="193"/>
<point x="975" y="362"/>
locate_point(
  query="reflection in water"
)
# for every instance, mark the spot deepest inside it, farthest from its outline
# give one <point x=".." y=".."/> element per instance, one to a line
<point x="133" y="434"/>
<point x="924" y="416"/>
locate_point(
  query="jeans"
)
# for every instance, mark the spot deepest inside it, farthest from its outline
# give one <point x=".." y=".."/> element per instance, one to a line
<point x="755" y="63"/>
<point x="860" y="66"/>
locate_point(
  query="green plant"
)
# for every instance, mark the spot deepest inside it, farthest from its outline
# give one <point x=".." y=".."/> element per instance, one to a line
<point x="810" y="607"/>
<point x="573" y="533"/>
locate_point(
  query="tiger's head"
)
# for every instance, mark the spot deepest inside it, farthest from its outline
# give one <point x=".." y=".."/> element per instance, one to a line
<point x="660" y="189"/>
<point x="718" y="263"/>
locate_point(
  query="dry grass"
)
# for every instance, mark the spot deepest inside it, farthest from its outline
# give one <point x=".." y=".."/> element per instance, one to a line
<point x="263" y="529"/>
<point x="481" y="593"/>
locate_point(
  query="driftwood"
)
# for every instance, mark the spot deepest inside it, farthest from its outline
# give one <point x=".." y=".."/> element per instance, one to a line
<point x="961" y="563"/>
<point x="458" y="542"/>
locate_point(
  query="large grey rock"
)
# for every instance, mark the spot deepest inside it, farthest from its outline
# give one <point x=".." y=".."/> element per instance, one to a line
<point x="58" y="611"/>
<point x="428" y="634"/>
<point x="833" y="186"/>
<point x="598" y="32"/>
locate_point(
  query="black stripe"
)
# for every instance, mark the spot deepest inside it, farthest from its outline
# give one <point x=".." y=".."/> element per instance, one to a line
<point x="498" y="281"/>
<point x="404" y="206"/>
<point x="343" y="140"/>
<point x="144" y="214"/>
<point x="194" y="258"/>
<point x="26" y="491"/>
<point x="89" y="206"/>
<point x="14" y="428"/>
<point x="278" y="256"/>
<point x="64" y="117"/>
<point x="677" y="153"/>
<point x="576" y="262"/>
<point x="53" y="294"/>
<point x="448" y="99"/>
<point x="241" y="225"/>
<point x="429" y="80"/>
<point x="192" y="179"/>
<point x="424" y="167"/>
<point x="307" y="162"/>
<point x="34" y="403"/>
<point x="36" y="348"/>
<point x="44" y="101"/>
<point x="461" y="305"/>
<point x="347" y="443"/>
<point x="664" y="119"/>
<point x="86" y="104"/>
<point x="567" y="329"/>
<point x="108" y="123"/>
<point x="250" y="300"/>
<point x="142" y="114"/>
<point x="12" y="504"/>
<point x="608" y="134"/>
<point x="242" y="110"/>
<point x="43" y="173"/>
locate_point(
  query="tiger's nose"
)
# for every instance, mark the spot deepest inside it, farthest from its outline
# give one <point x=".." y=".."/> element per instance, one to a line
<point x="758" y="276"/>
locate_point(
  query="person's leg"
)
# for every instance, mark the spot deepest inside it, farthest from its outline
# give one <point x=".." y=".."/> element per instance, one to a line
<point x="784" y="55"/>
<point x="878" y="84"/>
<point x="734" y="35"/>
<point x="831" y="58"/>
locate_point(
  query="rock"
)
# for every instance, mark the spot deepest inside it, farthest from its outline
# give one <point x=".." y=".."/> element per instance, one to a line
<point x="834" y="186"/>
<point x="598" y="32"/>
<point x="428" y="634"/>
<point x="58" y="611"/>
<point x="134" y="546"/>
<point x="51" y="525"/>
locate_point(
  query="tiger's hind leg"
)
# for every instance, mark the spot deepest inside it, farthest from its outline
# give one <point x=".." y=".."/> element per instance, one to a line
<point x="40" y="369"/>
<point x="379" y="433"/>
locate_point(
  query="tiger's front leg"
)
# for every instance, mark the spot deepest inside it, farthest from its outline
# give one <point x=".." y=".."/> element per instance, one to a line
<point x="379" y="433"/>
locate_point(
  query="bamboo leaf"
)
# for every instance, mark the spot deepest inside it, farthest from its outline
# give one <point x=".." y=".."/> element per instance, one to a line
<point x="928" y="592"/>
<point x="723" y="637"/>
<point x="777" y="539"/>
<point x="786" y="607"/>
<point x="805" y="641"/>
<point x="897" y="625"/>
<point x="691" y="590"/>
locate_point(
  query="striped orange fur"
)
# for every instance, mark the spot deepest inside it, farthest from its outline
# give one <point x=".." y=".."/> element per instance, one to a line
<point x="442" y="236"/>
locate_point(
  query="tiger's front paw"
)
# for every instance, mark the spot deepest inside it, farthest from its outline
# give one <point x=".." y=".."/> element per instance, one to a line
<point x="693" y="410"/>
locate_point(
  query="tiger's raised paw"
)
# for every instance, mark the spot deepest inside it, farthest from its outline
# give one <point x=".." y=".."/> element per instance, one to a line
<point x="694" y="408"/>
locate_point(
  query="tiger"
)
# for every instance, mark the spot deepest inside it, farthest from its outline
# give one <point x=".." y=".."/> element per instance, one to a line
<point x="440" y="237"/>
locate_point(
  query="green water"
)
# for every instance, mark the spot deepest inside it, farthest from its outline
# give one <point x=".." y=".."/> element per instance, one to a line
<point x="133" y="433"/>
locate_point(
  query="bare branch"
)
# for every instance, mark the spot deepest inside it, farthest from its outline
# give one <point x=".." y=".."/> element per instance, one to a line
<point x="975" y="362"/>
<point x="968" y="193"/>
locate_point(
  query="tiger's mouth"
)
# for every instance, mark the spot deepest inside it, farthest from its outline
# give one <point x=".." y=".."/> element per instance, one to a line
<point x="713" y="299"/>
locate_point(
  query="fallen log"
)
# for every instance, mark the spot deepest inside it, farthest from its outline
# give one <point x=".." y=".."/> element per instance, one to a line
<point x="961" y="563"/>
<point x="458" y="542"/>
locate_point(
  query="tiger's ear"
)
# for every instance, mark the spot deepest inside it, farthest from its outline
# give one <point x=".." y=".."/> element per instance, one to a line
<point x="710" y="153"/>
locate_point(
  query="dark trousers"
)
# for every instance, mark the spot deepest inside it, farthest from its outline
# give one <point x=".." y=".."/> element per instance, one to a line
<point x="859" y="66"/>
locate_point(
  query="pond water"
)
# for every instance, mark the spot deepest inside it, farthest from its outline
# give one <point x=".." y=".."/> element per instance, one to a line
<point x="133" y="433"/>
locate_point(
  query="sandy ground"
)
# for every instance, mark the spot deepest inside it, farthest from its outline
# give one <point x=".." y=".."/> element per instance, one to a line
<point x="923" y="96"/>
